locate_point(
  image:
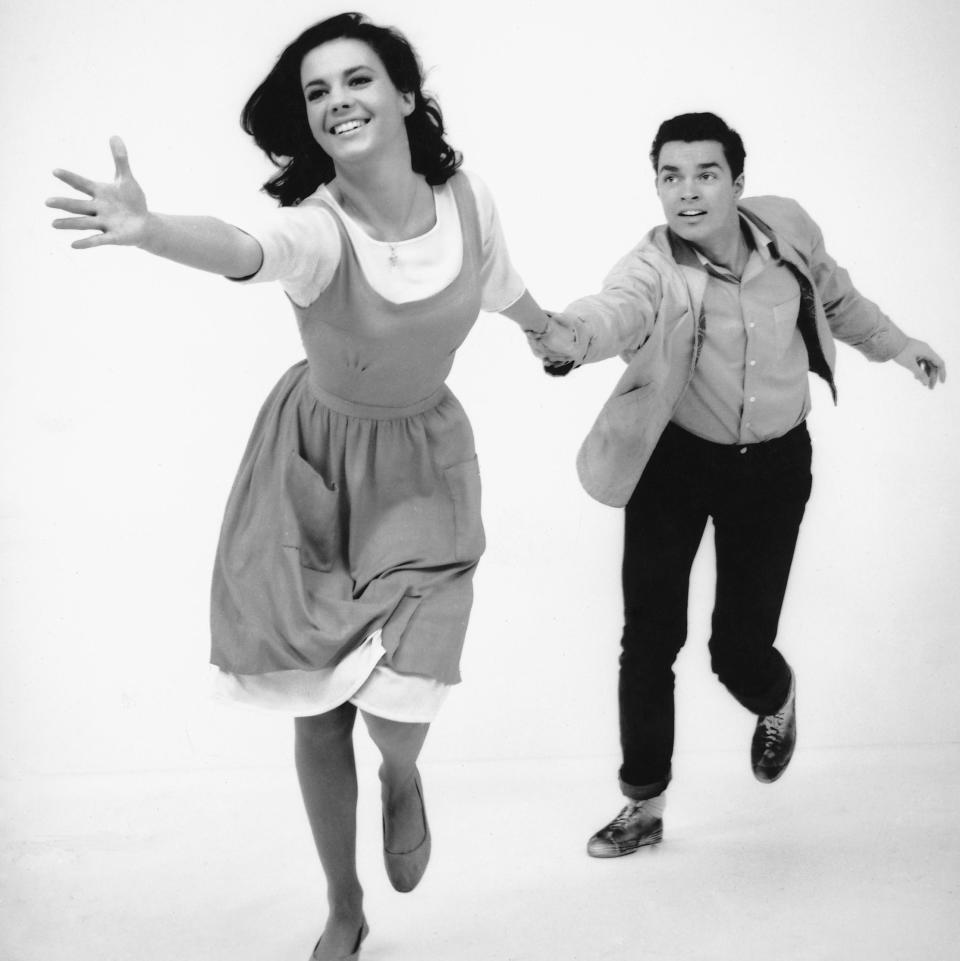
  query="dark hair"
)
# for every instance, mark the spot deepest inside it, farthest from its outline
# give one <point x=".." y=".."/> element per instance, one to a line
<point x="276" y="117"/>
<point x="689" y="127"/>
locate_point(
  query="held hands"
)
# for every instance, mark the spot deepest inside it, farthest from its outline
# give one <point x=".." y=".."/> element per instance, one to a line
<point x="118" y="209"/>
<point x="558" y="345"/>
<point x="923" y="362"/>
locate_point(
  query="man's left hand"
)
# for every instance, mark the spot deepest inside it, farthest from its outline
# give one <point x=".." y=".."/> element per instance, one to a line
<point x="923" y="362"/>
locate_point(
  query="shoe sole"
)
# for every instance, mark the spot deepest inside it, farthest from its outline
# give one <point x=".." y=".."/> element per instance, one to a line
<point x="654" y="838"/>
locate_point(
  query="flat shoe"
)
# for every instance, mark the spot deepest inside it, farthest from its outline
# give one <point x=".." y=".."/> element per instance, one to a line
<point x="406" y="869"/>
<point x="355" y="954"/>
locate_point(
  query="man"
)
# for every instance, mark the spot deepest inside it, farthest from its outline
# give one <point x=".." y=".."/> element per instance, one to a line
<point x="719" y="313"/>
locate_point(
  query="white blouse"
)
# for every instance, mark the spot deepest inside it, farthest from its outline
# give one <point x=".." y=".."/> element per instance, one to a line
<point x="301" y="250"/>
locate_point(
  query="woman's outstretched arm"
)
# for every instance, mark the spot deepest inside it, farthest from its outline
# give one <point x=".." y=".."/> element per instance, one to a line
<point x="118" y="210"/>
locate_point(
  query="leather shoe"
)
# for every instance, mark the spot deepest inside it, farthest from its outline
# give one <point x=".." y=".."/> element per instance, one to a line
<point x="774" y="739"/>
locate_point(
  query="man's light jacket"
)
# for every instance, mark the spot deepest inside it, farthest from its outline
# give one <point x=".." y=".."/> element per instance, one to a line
<point x="650" y="311"/>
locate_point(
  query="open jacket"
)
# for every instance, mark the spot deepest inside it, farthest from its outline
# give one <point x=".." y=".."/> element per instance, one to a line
<point x="650" y="311"/>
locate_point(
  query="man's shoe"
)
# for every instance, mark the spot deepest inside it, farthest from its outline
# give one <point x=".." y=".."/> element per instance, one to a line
<point x="774" y="739"/>
<point x="640" y="823"/>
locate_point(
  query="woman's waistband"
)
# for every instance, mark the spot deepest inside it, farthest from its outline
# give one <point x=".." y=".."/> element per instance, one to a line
<point x="377" y="411"/>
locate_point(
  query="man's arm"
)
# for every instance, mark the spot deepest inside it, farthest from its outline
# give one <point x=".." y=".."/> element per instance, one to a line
<point x="853" y="318"/>
<point x="859" y="322"/>
<point x="620" y="317"/>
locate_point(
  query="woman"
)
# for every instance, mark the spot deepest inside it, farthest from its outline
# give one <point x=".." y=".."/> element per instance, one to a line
<point x="344" y="569"/>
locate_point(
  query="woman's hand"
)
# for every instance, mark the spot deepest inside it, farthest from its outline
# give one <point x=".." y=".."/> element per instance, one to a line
<point x="560" y="342"/>
<point x="118" y="209"/>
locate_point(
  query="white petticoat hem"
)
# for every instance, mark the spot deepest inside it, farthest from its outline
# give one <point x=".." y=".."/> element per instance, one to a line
<point x="359" y="678"/>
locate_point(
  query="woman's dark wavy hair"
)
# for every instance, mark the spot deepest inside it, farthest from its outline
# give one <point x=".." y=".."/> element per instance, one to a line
<point x="691" y="127"/>
<point x="276" y="117"/>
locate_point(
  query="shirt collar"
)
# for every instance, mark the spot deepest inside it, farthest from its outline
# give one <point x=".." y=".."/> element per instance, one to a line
<point x="765" y="246"/>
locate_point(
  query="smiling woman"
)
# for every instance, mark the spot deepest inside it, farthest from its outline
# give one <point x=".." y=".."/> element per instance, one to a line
<point x="275" y="117"/>
<point x="343" y="576"/>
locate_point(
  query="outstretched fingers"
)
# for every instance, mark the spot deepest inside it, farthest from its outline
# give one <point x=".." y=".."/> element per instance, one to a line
<point x="85" y="186"/>
<point x="94" y="240"/>
<point x="72" y="206"/>
<point x="76" y="223"/>
<point x="121" y="160"/>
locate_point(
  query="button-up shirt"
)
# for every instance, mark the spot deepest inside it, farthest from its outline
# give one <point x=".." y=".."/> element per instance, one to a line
<point x="750" y="383"/>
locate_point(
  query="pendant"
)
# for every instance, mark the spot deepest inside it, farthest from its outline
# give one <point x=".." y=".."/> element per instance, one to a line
<point x="393" y="256"/>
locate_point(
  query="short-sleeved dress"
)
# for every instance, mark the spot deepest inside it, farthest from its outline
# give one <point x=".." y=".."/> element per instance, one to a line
<point x="353" y="529"/>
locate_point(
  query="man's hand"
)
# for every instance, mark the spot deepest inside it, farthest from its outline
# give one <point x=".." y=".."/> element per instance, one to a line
<point x="560" y="341"/>
<point x="558" y="345"/>
<point x="923" y="362"/>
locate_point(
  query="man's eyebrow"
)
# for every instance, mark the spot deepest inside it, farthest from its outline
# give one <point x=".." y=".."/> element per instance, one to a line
<point x="704" y="166"/>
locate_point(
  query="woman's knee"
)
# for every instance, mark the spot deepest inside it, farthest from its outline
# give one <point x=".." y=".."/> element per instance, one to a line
<point x="396" y="739"/>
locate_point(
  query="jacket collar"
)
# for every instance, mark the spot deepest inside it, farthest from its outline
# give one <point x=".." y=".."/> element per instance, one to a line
<point x="660" y="239"/>
<point x="779" y="247"/>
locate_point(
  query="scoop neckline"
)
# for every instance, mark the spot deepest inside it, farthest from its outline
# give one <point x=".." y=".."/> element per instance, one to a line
<point x="329" y="197"/>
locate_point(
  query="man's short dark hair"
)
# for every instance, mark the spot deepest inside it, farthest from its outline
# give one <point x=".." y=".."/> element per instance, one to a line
<point x="690" y="127"/>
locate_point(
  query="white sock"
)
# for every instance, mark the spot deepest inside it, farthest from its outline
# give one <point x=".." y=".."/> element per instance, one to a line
<point x="654" y="805"/>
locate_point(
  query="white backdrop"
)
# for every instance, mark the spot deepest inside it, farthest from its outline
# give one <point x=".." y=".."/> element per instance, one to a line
<point x="129" y="384"/>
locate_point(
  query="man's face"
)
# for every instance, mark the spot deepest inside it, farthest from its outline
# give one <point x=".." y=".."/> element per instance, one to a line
<point x="698" y="192"/>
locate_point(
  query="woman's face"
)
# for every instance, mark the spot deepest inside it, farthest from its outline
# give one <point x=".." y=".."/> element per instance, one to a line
<point x="353" y="108"/>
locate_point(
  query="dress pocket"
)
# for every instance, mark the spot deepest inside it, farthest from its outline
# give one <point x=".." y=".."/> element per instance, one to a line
<point x="311" y="519"/>
<point x="463" y="483"/>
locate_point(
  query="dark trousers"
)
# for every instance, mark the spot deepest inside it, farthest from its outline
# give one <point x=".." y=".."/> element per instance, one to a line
<point x="756" y="495"/>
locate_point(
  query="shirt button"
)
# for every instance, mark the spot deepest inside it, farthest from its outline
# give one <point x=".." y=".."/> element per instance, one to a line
<point x="743" y="450"/>
<point x="753" y="363"/>
<point x="752" y="399"/>
<point x="752" y="326"/>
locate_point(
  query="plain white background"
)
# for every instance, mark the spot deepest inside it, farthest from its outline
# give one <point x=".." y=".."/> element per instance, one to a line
<point x="128" y="385"/>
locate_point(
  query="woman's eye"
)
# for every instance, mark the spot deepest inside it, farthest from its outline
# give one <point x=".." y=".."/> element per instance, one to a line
<point x="315" y="94"/>
<point x="357" y="81"/>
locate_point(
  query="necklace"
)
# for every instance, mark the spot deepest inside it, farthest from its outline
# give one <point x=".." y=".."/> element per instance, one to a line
<point x="393" y="257"/>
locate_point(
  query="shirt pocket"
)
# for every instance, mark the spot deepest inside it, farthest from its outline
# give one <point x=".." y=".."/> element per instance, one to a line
<point x="785" y="324"/>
